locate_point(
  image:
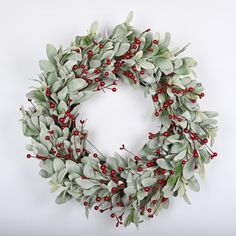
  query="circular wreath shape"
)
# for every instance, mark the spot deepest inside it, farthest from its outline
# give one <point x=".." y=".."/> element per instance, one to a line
<point x="138" y="187"/>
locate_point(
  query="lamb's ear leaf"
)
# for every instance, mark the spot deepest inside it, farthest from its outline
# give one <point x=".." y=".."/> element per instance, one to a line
<point x="63" y="197"/>
<point x="51" y="52"/>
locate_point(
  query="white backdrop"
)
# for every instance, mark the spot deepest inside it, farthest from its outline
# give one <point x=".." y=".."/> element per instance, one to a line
<point x="26" y="206"/>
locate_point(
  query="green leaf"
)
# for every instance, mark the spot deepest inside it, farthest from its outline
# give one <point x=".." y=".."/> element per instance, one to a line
<point x="129" y="18"/>
<point x="89" y="172"/>
<point x="63" y="197"/>
<point x="51" y="52"/>
<point x="61" y="175"/>
<point x="58" y="164"/>
<point x="164" y="164"/>
<point x="85" y="183"/>
<point x="46" y="66"/>
<point x="165" y="65"/>
<point x="188" y="170"/>
<point x="123" y="48"/>
<point x="40" y="148"/>
<point x="94" y="27"/>
<point x="194" y="185"/>
<point x="94" y="64"/>
<point x="146" y="65"/>
<point x="62" y="94"/>
<point x="146" y="182"/>
<point x="129" y="218"/>
<point x="180" y="155"/>
<point x="76" y="85"/>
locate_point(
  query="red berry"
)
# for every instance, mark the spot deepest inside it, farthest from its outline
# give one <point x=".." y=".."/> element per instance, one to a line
<point x="158" y="151"/>
<point x="98" y="199"/>
<point x="52" y="105"/>
<point x="146" y="189"/>
<point x="90" y="53"/>
<point x="82" y="66"/>
<point x="107" y="73"/>
<point x="28" y="155"/>
<point x="76" y="132"/>
<point x="149" y="210"/>
<point x="96" y="208"/>
<point x="75" y="67"/>
<point x="120" y="169"/>
<point x="195" y="153"/>
<point x="172" y="172"/>
<point x="113" y="89"/>
<point x="114" y="189"/>
<point x="106" y="198"/>
<point x="139" y="169"/>
<point x="190" y="89"/>
<point x="113" y="172"/>
<point x="136" y="158"/>
<point x="78" y="150"/>
<point x="180" y="119"/>
<point x="135" y="46"/>
<point x="137" y="41"/>
<point x="122" y="185"/>
<point x="166" y="134"/>
<point x="142" y="72"/>
<point x="215" y="154"/>
<point x="170" y="102"/>
<point x="112" y="215"/>
<point x="85" y="203"/>
<point x="163" y="171"/>
<point x="47" y="137"/>
<point x="61" y="119"/>
<point x="201" y="95"/>
<point x="205" y="140"/>
<point x="155" y="41"/>
<point x="157" y="113"/>
<point x="183" y="162"/>
<point x="102" y="83"/>
<point x="101" y="46"/>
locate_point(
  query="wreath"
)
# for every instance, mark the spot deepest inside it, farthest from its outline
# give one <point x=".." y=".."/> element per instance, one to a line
<point x="135" y="188"/>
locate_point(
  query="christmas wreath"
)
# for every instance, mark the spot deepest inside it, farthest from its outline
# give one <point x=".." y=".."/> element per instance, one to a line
<point x="135" y="188"/>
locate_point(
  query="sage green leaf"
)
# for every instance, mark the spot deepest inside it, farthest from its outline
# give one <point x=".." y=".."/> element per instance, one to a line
<point x="47" y="166"/>
<point x="73" y="167"/>
<point x="46" y="66"/>
<point x="40" y="149"/>
<point x="146" y="182"/>
<point x="165" y="43"/>
<point x="129" y="18"/>
<point x="61" y="175"/>
<point x="76" y="85"/>
<point x="194" y="185"/>
<point x="180" y="155"/>
<point x="108" y="54"/>
<point x="188" y="170"/>
<point x="52" y="78"/>
<point x="63" y="197"/>
<point x="94" y="64"/>
<point x="58" y="164"/>
<point x="129" y="218"/>
<point x="123" y="48"/>
<point x="86" y="183"/>
<point x="146" y="65"/>
<point x="164" y="164"/>
<point x="51" y="52"/>
<point x="94" y="27"/>
<point x="89" y="172"/>
<point x="81" y="97"/>
<point x="165" y="65"/>
<point x="62" y="107"/>
<point x="62" y="94"/>
<point x="186" y="199"/>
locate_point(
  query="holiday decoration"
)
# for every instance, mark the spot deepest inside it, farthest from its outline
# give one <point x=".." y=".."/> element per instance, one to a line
<point x="135" y="188"/>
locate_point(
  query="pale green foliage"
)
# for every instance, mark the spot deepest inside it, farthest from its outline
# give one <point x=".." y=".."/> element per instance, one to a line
<point x="66" y="160"/>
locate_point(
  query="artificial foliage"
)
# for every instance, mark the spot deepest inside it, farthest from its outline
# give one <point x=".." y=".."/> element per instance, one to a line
<point x="135" y="188"/>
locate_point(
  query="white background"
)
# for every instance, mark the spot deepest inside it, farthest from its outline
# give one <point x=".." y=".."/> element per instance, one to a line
<point x="26" y="206"/>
